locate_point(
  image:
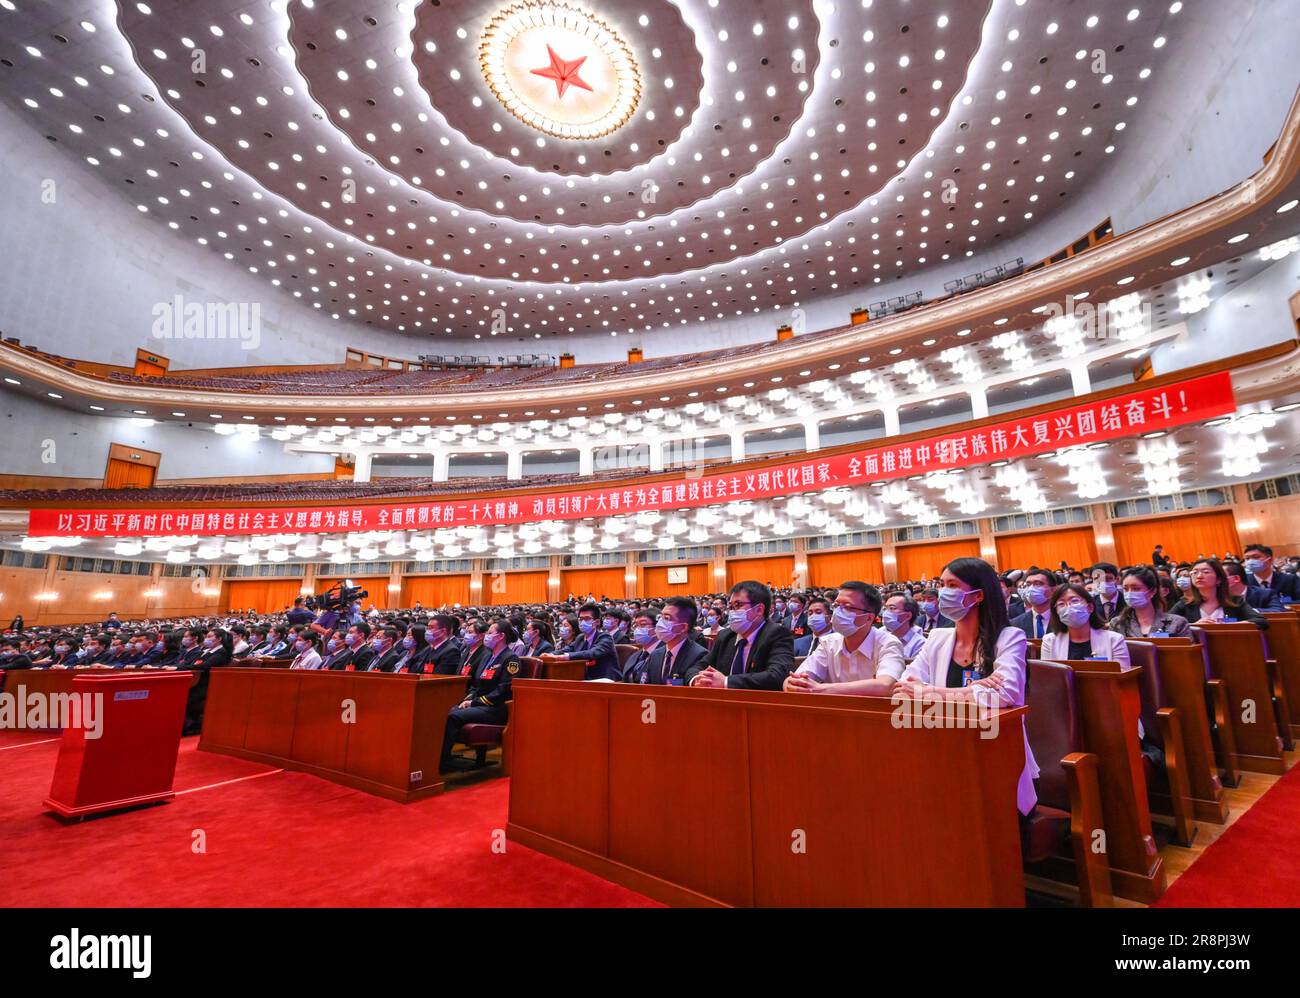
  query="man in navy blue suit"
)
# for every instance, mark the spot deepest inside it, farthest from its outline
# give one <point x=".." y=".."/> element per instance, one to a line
<point x="594" y="647"/>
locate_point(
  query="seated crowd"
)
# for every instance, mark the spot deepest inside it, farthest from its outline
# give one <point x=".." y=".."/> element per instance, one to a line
<point x="963" y="635"/>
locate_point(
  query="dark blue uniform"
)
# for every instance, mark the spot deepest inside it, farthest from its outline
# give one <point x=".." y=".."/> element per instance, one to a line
<point x="488" y="694"/>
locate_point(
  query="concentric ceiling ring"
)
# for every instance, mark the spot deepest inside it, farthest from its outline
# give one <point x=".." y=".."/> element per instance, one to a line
<point x="595" y="92"/>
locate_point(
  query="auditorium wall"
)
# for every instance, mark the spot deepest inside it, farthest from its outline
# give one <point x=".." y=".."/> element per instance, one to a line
<point x="80" y="596"/>
<point x="44" y="439"/>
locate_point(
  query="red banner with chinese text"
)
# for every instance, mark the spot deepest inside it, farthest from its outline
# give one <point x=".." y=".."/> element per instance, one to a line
<point x="1069" y="426"/>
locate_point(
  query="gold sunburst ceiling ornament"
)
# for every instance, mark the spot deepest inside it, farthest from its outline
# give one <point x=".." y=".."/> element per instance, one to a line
<point x="560" y="69"/>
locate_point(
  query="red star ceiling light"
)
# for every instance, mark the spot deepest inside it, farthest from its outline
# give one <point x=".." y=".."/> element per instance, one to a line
<point x="564" y="72"/>
<point x="586" y="96"/>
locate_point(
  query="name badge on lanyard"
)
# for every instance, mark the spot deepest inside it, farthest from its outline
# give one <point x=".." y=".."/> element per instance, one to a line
<point x="488" y="673"/>
<point x="968" y="675"/>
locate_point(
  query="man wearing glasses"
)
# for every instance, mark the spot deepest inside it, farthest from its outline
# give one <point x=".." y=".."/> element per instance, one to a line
<point x="857" y="658"/>
<point x="751" y="652"/>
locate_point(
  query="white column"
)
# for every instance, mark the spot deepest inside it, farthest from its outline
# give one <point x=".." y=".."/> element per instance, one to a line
<point x="361" y="466"/>
<point x="586" y="461"/>
<point x="440" y="465"/>
<point x="737" y="445"/>
<point x="656" y="445"/>
<point x="1080" y="382"/>
<point x="891" y="420"/>
<point x="979" y="402"/>
<point x="812" y="435"/>
<point x="514" y="464"/>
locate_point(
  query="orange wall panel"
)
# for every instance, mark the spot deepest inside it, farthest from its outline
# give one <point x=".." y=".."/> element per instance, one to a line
<point x="654" y="581"/>
<point x="262" y="595"/>
<point x="1076" y="546"/>
<point x="918" y="561"/>
<point x="777" y="572"/>
<point x="829" y="568"/>
<point x="598" y="582"/>
<point x="515" y="587"/>
<point x="1184" y="536"/>
<point x="433" y="591"/>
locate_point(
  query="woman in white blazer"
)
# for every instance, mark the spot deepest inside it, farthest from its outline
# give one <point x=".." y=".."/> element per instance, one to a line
<point x="981" y="657"/>
<point x="1075" y="631"/>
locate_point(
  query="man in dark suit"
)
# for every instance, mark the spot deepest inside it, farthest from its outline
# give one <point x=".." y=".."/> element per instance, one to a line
<point x="750" y="653"/>
<point x="1159" y="559"/>
<point x="795" y="619"/>
<point x="593" y="647"/>
<point x="1260" y="597"/>
<point x="1015" y="605"/>
<point x="1039" y="584"/>
<point x="930" y="616"/>
<point x="678" y="654"/>
<point x="444" y="650"/>
<point x="1259" y="563"/>
<point x="1107" y="597"/>
<point x="357" y="639"/>
<point x="819" y="625"/>
<point x="647" y="643"/>
<point x="387" y="651"/>
<point x="616" y="623"/>
<point x="337" y="655"/>
<point x="12" y="657"/>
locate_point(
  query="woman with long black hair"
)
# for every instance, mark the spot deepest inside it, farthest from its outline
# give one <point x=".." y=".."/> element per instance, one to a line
<point x="981" y="658"/>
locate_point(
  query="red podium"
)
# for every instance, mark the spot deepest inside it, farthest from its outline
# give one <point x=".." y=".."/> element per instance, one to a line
<point x="123" y="753"/>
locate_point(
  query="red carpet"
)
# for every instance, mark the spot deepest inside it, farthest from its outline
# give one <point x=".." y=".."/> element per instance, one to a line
<point x="285" y="839"/>
<point x="1255" y="863"/>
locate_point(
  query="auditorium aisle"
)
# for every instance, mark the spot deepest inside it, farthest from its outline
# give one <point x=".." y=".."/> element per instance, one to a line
<point x="273" y="838"/>
<point x="1255" y="860"/>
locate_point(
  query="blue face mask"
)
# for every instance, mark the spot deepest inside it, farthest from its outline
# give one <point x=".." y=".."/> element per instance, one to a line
<point x="1075" y="615"/>
<point x="587" y="626"/>
<point x="1137" y="599"/>
<point x="643" y="635"/>
<point x="1254" y="565"/>
<point x="952" y="604"/>
<point x="738" y="621"/>
<point x="1184" y="582"/>
<point x="817" y="621"/>
<point x="891" y="619"/>
<point x="1037" y="595"/>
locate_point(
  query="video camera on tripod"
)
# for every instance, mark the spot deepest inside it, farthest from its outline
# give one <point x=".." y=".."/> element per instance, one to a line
<point x="334" y="601"/>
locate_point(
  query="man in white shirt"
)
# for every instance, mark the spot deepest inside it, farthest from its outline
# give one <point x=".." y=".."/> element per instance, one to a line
<point x="857" y="659"/>
<point x="899" y="617"/>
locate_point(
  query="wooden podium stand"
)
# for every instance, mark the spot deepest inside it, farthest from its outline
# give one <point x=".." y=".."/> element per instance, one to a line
<point x="733" y="797"/>
<point x="128" y="757"/>
<point x="374" y="731"/>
